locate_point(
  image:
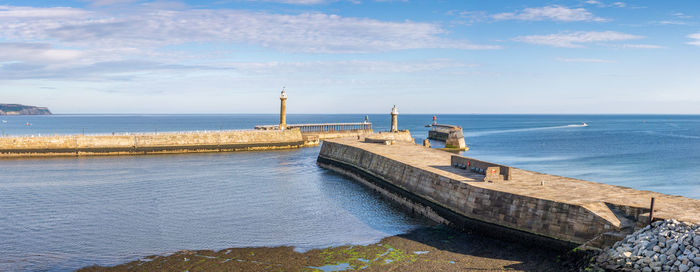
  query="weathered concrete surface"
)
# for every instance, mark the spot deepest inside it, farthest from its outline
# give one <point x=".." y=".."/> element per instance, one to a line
<point x="558" y="208"/>
<point x="399" y="135"/>
<point x="176" y="142"/>
<point x="441" y="132"/>
<point x="450" y="134"/>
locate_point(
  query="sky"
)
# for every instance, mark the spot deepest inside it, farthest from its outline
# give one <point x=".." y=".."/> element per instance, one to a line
<point x="352" y="56"/>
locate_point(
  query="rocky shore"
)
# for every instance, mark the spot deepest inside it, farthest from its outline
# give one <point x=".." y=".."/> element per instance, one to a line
<point x="664" y="246"/>
<point x="436" y="248"/>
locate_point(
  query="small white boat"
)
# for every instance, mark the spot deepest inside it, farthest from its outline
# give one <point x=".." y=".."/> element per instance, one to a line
<point x="4" y="121"/>
<point x="584" y="124"/>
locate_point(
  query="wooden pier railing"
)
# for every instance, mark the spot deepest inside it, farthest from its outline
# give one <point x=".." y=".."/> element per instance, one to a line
<point x="322" y="127"/>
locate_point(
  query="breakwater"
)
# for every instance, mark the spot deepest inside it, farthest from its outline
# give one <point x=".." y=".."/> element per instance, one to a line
<point x="440" y="132"/>
<point x="168" y="142"/>
<point x="559" y="211"/>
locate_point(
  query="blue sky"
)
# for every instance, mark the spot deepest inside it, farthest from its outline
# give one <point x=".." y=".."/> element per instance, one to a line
<point x="357" y="56"/>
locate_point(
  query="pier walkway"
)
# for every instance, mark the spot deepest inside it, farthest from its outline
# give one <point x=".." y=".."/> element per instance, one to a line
<point x="313" y="133"/>
<point x="323" y="127"/>
<point x="557" y="207"/>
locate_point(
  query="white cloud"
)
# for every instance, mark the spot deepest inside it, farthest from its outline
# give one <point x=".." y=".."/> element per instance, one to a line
<point x="345" y="67"/>
<point x="669" y="22"/>
<point x="619" y="4"/>
<point x="585" y="60"/>
<point x="682" y="15"/>
<point x="297" y="2"/>
<point x="553" y="13"/>
<point x="96" y="45"/>
<point x="470" y="17"/>
<point x="696" y="38"/>
<point x="307" y="32"/>
<point x="576" y="39"/>
<point x="603" y="5"/>
<point x="35" y="52"/>
<point x="641" y="46"/>
<point x="110" y="2"/>
<point x="25" y="13"/>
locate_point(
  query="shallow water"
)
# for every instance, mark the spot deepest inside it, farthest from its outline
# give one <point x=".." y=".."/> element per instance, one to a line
<point x="63" y="214"/>
<point x="66" y="213"/>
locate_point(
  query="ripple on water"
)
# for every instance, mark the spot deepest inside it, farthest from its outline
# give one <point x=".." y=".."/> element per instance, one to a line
<point x="63" y="214"/>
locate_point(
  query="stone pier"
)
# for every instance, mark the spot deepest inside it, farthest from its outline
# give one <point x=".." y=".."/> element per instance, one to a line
<point x="450" y="134"/>
<point x="499" y="200"/>
<point x="139" y="143"/>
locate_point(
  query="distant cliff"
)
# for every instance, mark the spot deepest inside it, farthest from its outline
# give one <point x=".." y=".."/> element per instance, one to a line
<point x="17" y="109"/>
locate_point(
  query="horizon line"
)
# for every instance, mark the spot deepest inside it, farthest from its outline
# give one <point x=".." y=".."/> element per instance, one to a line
<point x="135" y="113"/>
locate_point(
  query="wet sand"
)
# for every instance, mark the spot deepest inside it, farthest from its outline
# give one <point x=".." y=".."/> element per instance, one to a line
<point x="436" y="248"/>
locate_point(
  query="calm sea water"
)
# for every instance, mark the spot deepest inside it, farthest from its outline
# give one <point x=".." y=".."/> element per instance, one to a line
<point x="66" y="213"/>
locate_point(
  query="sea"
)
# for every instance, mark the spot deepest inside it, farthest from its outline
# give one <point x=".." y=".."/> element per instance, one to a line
<point x="61" y="214"/>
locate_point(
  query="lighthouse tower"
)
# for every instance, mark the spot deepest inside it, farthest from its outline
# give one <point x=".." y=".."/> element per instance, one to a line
<point x="394" y="119"/>
<point x="283" y="109"/>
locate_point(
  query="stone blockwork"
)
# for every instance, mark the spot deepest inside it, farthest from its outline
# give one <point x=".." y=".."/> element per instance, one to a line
<point x="479" y="166"/>
<point x="180" y="142"/>
<point x="540" y="217"/>
<point x="323" y="135"/>
<point x="555" y="207"/>
<point x="396" y="136"/>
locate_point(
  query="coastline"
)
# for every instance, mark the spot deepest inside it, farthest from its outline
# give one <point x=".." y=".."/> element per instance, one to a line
<point x="435" y="248"/>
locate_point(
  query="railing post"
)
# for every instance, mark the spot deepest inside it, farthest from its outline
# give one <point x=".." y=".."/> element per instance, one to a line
<point x="651" y="211"/>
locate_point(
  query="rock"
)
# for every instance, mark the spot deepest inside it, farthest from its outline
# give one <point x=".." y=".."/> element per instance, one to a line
<point x="601" y="258"/>
<point x="667" y="246"/>
<point x="683" y="268"/>
<point x="612" y="267"/>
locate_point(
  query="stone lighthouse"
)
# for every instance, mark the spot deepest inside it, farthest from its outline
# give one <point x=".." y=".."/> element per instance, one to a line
<point x="283" y="109"/>
<point x="394" y="119"/>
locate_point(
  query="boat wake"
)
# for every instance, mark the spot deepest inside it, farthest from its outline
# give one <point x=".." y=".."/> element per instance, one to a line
<point x="490" y="132"/>
<point x="673" y="135"/>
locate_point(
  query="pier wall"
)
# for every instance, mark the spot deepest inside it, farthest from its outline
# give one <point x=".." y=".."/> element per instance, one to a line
<point x="167" y="142"/>
<point x="467" y="206"/>
<point x="479" y="166"/>
<point x="438" y="135"/>
<point x="322" y="135"/>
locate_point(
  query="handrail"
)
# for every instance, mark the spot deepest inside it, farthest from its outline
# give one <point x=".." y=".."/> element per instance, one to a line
<point x="323" y="127"/>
